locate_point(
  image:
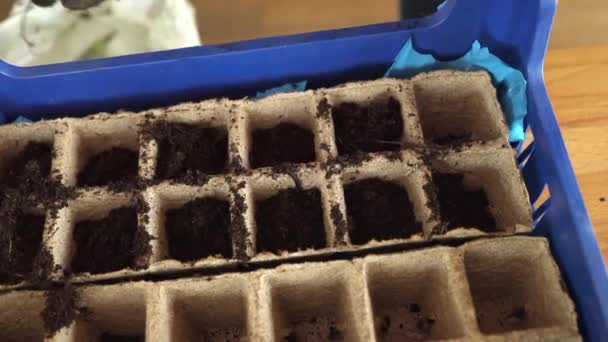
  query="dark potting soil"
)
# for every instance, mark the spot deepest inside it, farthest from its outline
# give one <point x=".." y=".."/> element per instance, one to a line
<point x="106" y="337"/>
<point x="117" y="165"/>
<point x="291" y="220"/>
<point x="61" y="308"/>
<point x="461" y="207"/>
<point x="199" y="229"/>
<point x="111" y="243"/>
<point x="339" y="222"/>
<point x="238" y="227"/>
<point x="26" y="182"/>
<point x="283" y="143"/>
<point x="373" y="128"/>
<point x="30" y="169"/>
<point x="379" y="210"/>
<point x="185" y="149"/>
<point x="20" y="243"/>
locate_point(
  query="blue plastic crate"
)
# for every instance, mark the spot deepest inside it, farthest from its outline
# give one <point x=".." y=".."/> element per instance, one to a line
<point x="516" y="30"/>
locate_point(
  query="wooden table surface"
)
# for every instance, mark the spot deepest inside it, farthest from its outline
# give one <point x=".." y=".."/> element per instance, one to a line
<point x="577" y="79"/>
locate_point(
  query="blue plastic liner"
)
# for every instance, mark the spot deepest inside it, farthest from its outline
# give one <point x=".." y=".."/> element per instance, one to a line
<point x="285" y="88"/>
<point x="510" y="82"/>
<point x="517" y="31"/>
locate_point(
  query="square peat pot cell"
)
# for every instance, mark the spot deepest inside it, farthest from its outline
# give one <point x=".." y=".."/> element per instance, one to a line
<point x="373" y="127"/>
<point x="113" y="315"/>
<point x="114" y="166"/>
<point x="460" y="109"/>
<point x="217" y="310"/>
<point x="379" y="210"/>
<point x="107" y="153"/>
<point x="281" y="144"/>
<point x="462" y="206"/>
<point x="20" y="246"/>
<point x="108" y="241"/>
<point x="20" y="317"/>
<point x="290" y="220"/>
<point x="313" y="305"/>
<point x="480" y="189"/>
<point x="199" y="229"/>
<point x="415" y="299"/>
<point x="186" y="149"/>
<point x="281" y="130"/>
<point x="29" y="169"/>
<point x="516" y="288"/>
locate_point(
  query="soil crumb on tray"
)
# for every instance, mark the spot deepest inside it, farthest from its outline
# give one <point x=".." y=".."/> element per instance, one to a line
<point x="227" y="334"/>
<point x="406" y="323"/>
<point x="314" y="329"/>
<point x="61" y="309"/>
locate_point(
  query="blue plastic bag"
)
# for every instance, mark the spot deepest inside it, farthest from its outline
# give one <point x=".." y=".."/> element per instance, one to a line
<point x="509" y="81"/>
<point x="285" y="88"/>
<point x="22" y="119"/>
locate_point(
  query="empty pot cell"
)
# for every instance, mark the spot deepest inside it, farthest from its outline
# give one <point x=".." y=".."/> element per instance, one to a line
<point x="462" y="205"/>
<point x="187" y="149"/>
<point x="29" y="170"/>
<point x="459" y="108"/>
<point x="312" y="309"/>
<point x="20" y="244"/>
<point x="115" y="314"/>
<point x="373" y="127"/>
<point x="199" y="229"/>
<point x="413" y="298"/>
<point x="290" y="220"/>
<point x="20" y="318"/>
<point x="516" y="286"/>
<point x="379" y="210"/>
<point x="110" y="243"/>
<point x="116" y="165"/>
<point x="283" y="143"/>
<point x="217" y="314"/>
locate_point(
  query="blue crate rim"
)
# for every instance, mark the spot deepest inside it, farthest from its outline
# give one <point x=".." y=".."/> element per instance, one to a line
<point x="242" y="68"/>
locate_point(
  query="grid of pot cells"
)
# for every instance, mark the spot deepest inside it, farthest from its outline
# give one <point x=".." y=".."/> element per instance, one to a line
<point x="216" y="182"/>
<point x="500" y="289"/>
